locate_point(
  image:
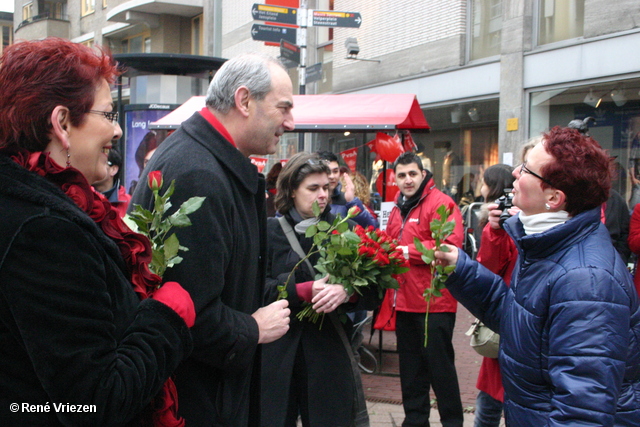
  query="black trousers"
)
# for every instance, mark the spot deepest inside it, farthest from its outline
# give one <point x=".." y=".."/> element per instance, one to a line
<point x="422" y="368"/>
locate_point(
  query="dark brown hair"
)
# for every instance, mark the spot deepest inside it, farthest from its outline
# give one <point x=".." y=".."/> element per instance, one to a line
<point x="293" y="173"/>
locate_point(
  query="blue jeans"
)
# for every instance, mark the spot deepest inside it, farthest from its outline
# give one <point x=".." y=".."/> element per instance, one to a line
<point x="488" y="411"/>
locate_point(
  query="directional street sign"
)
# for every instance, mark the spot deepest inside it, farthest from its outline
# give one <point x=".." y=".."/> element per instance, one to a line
<point x="271" y="33"/>
<point x="290" y="51"/>
<point x="314" y="72"/>
<point x="332" y="18"/>
<point x="279" y="14"/>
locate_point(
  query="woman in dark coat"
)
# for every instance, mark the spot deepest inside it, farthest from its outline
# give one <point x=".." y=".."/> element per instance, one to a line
<point x="309" y="371"/>
<point x="77" y="344"/>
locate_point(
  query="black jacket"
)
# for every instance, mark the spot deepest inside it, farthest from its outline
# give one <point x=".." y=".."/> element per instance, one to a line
<point x="223" y="270"/>
<point x="72" y="330"/>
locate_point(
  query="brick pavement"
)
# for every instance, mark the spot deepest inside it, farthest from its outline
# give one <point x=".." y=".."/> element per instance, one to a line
<point x="383" y="390"/>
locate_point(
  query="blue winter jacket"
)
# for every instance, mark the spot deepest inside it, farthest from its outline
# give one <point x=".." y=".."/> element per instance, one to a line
<point x="569" y="326"/>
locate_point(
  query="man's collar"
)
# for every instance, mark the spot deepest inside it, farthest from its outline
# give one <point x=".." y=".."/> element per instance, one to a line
<point x="213" y="121"/>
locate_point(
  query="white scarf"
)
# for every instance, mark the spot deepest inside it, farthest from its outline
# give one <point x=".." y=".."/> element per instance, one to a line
<point x="538" y="223"/>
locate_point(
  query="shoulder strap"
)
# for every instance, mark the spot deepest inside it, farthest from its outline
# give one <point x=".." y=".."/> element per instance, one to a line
<point x="293" y="242"/>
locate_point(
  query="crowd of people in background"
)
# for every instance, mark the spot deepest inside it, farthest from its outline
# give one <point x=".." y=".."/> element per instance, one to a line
<point x="217" y="340"/>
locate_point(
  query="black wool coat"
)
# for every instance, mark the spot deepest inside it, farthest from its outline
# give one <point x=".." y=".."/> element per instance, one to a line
<point x="223" y="270"/>
<point x="72" y="330"/>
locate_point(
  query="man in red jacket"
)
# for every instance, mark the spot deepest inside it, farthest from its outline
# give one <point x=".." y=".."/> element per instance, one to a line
<point x="432" y="366"/>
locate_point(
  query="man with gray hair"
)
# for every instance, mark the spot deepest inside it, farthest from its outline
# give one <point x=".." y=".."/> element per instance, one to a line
<point x="248" y="107"/>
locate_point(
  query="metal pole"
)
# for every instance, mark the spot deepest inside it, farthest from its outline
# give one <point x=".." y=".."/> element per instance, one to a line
<point x="302" y="70"/>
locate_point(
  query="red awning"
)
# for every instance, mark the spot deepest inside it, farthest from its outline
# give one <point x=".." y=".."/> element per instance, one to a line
<point x="333" y="113"/>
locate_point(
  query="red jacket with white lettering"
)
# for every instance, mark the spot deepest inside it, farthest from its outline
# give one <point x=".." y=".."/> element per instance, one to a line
<point x="416" y="224"/>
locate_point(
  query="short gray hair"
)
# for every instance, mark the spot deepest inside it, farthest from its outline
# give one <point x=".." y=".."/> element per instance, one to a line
<point x="250" y="70"/>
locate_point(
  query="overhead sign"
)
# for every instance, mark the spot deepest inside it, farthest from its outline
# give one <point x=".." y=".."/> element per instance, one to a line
<point x="314" y="73"/>
<point x="332" y="18"/>
<point x="279" y="14"/>
<point x="290" y="51"/>
<point x="271" y="33"/>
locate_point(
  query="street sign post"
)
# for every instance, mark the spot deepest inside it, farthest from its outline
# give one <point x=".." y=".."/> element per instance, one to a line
<point x="290" y="51"/>
<point x="279" y="14"/>
<point x="272" y="33"/>
<point x="332" y="18"/>
<point x="314" y="72"/>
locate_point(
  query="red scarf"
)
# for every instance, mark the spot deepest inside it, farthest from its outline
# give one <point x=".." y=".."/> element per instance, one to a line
<point x="134" y="247"/>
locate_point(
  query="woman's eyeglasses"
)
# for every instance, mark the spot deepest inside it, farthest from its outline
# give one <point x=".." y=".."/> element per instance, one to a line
<point x="524" y="168"/>
<point x="112" y="116"/>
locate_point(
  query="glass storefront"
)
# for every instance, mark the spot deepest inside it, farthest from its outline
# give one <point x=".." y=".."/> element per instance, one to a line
<point x="612" y="110"/>
<point x="463" y="141"/>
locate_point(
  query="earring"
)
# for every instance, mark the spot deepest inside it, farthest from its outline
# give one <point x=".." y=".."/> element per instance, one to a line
<point x="68" y="158"/>
<point x="546" y="205"/>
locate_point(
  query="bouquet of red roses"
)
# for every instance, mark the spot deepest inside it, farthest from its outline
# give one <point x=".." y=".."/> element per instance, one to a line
<point x="357" y="259"/>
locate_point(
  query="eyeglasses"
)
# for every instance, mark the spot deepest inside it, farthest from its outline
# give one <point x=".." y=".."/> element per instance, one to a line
<point x="112" y="116"/>
<point x="524" y="168"/>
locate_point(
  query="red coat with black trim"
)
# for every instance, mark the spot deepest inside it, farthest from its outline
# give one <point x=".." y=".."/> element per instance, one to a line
<point x="416" y="224"/>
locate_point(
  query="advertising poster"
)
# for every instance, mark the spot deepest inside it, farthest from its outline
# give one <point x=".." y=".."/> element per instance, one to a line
<point x="139" y="140"/>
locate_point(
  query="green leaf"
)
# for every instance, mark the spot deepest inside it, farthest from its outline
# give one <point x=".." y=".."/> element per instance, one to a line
<point x="316" y="209"/>
<point x="171" y="246"/>
<point x="345" y="251"/>
<point x="311" y="231"/>
<point x="342" y="227"/>
<point x="323" y="226"/>
<point x="351" y="237"/>
<point x="419" y="246"/>
<point x="191" y="205"/>
<point x="170" y="190"/>
<point x="179" y="219"/>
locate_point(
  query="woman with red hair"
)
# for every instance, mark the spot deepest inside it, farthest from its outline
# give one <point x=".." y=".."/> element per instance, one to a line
<point x="86" y="336"/>
<point x="569" y="323"/>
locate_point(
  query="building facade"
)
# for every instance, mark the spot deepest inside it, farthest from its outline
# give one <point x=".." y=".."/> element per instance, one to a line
<point x="489" y="74"/>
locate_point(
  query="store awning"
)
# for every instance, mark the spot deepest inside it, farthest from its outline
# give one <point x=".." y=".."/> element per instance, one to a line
<point x="333" y="113"/>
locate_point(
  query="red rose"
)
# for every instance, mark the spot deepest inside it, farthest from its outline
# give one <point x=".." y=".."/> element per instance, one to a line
<point x="155" y="180"/>
<point x="354" y="211"/>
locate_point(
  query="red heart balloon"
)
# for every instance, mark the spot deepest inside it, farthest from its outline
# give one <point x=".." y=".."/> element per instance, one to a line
<point x="388" y="147"/>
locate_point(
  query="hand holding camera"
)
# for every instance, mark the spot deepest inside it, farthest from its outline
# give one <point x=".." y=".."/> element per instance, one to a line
<point x="505" y="203"/>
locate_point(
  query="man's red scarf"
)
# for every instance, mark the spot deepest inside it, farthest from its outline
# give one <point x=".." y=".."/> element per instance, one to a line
<point x="134" y="247"/>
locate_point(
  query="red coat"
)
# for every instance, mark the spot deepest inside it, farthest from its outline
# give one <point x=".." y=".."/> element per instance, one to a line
<point x="634" y="240"/>
<point x="498" y="253"/>
<point x="416" y="224"/>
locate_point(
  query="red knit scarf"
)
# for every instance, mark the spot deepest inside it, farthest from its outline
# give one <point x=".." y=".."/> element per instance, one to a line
<point x="134" y="247"/>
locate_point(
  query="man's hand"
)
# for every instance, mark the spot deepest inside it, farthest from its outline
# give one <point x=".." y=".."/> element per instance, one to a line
<point x="349" y="188"/>
<point x="273" y="321"/>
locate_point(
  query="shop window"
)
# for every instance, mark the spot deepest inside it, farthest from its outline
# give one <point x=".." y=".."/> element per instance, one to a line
<point x="485" y="28"/>
<point x="88" y="7"/>
<point x="197" y="34"/>
<point x="6" y="37"/>
<point x="611" y="112"/>
<point x="560" y="20"/>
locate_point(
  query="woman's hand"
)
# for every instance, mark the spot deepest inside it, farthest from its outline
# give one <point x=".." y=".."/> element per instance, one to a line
<point x="447" y="258"/>
<point x="327" y="297"/>
<point x="348" y="187"/>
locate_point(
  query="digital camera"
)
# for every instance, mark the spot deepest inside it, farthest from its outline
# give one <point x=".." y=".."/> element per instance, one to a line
<point x="505" y="202"/>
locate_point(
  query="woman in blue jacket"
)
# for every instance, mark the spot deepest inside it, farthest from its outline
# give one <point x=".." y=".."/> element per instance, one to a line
<point x="570" y="323"/>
